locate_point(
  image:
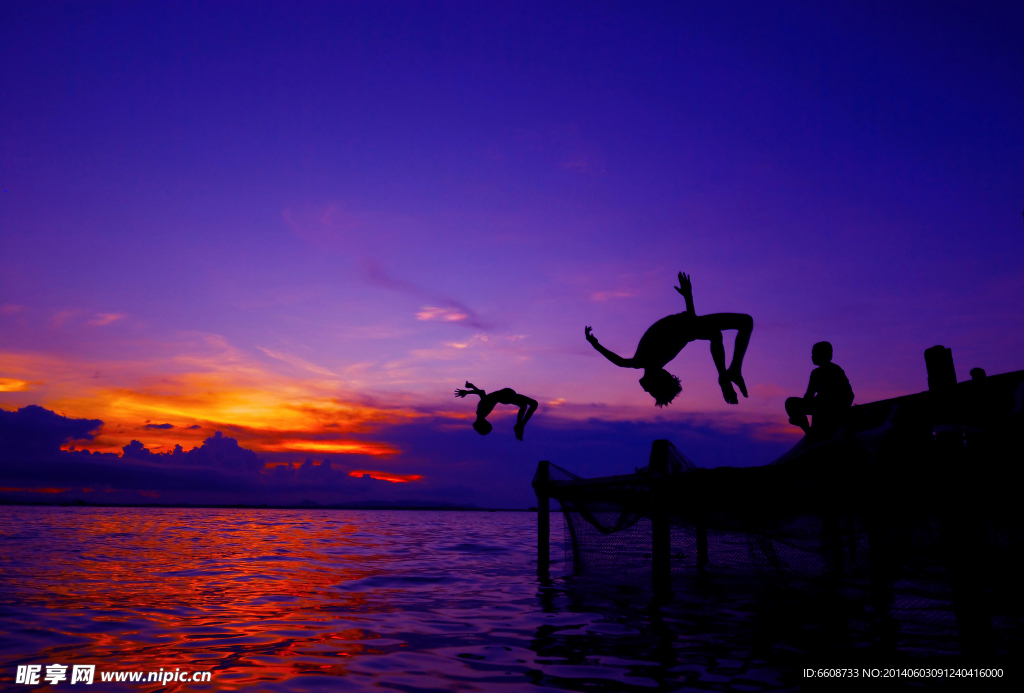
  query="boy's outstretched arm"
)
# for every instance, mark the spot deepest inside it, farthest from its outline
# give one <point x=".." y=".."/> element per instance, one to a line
<point x="610" y="355"/>
<point x="474" y="391"/>
<point x="686" y="289"/>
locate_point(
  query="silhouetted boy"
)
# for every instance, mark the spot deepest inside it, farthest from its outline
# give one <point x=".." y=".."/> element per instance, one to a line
<point x="505" y="396"/>
<point x="666" y="338"/>
<point x="828" y="396"/>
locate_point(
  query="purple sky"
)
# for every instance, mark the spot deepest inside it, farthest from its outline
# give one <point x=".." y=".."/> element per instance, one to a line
<point x="305" y="224"/>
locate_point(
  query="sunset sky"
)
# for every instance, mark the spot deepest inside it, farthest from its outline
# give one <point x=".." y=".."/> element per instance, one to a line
<point x="305" y="224"/>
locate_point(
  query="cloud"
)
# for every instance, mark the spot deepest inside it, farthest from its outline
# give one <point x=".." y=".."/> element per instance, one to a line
<point x="297" y="362"/>
<point x="364" y="236"/>
<point x="386" y="476"/>
<point x="608" y="295"/>
<point x="336" y="446"/>
<point x="442" y="314"/>
<point x="102" y="319"/>
<point x="210" y="385"/>
<point x="217" y="471"/>
<point x="33" y="432"/>
<point x="448" y="461"/>
<point x="14" y="385"/>
<point x="450" y="309"/>
<point x="217" y="451"/>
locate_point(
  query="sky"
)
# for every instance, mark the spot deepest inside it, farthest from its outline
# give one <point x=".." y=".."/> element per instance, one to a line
<point x="303" y="225"/>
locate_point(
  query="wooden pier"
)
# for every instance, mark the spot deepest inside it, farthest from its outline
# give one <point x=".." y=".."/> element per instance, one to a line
<point x="939" y="464"/>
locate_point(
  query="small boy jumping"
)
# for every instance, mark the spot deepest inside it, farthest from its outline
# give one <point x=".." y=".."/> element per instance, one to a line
<point x="504" y="396"/>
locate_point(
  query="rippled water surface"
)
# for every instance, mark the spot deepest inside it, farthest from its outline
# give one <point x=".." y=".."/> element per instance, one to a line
<point x="358" y="600"/>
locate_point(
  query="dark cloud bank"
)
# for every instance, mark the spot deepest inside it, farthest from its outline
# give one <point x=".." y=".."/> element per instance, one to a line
<point x="458" y="466"/>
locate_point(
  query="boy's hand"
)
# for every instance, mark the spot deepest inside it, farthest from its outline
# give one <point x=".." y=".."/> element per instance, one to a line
<point x="684" y="288"/>
<point x="590" y="337"/>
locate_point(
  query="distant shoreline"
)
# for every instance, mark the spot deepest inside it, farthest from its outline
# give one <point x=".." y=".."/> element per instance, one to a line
<point x="239" y="506"/>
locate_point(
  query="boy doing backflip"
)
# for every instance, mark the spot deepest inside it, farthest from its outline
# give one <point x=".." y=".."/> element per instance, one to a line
<point x="504" y="396"/>
<point x="666" y="338"/>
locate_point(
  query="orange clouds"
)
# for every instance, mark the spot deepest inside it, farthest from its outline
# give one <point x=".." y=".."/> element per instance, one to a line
<point x="208" y="385"/>
<point x="13" y="385"/>
<point x="443" y="314"/>
<point x="386" y="476"/>
<point x="332" y="446"/>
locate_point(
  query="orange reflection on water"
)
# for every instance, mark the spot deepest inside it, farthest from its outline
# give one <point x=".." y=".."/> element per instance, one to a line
<point x="248" y="594"/>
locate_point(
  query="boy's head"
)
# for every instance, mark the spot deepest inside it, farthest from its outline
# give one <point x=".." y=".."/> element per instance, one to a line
<point x="661" y="385"/>
<point x="821" y="353"/>
<point x="482" y="426"/>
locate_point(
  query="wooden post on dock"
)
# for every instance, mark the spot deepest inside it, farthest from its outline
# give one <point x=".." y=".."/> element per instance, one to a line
<point x="938" y="361"/>
<point x="661" y="537"/>
<point x="964" y="528"/>
<point x="701" y="530"/>
<point x="832" y="545"/>
<point x="540" y="487"/>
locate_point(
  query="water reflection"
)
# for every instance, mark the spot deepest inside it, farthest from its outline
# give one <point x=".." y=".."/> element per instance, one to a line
<point x="280" y="600"/>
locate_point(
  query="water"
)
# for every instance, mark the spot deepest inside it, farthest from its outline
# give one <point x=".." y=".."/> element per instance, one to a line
<point x="282" y="600"/>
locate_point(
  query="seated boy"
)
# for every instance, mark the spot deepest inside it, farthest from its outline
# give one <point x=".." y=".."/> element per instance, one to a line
<point x="828" y="396"/>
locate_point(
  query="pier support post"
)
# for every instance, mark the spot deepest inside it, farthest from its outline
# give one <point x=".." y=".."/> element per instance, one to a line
<point x="832" y="545"/>
<point x="661" y="538"/>
<point x="938" y="361"/>
<point x="964" y="515"/>
<point x="701" y="530"/>
<point x="880" y="565"/>
<point x="540" y="487"/>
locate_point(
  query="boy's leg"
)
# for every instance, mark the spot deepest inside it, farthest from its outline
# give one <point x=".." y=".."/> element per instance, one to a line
<point x="798" y="410"/>
<point x="744" y="326"/>
<point x="525" y="412"/>
<point x="718" y="354"/>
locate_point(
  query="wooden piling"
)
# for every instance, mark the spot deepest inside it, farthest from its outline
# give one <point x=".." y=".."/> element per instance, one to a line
<point x="832" y="545"/>
<point x="661" y="537"/>
<point x="964" y="529"/>
<point x="701" y="529"/>
<point x="938" y="361"/>
<point x="540" y="487"/>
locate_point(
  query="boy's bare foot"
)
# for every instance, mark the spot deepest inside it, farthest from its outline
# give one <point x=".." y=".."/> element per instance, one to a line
<point x="519" y="431"/>
<point x="727" y="390"/>
<point x="802" y="423"/>
<point x="734" y="376"/>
